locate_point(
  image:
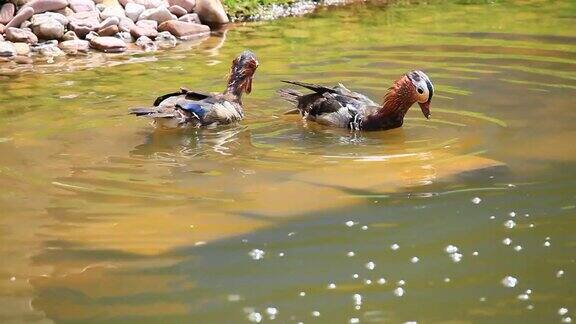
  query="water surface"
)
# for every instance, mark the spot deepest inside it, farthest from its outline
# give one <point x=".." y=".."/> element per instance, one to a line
<point x="104" y="219"/>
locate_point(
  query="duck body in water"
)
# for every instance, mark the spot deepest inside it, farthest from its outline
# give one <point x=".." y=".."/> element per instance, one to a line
<point x="339" y="107"/>
<point x="186" y="108"/>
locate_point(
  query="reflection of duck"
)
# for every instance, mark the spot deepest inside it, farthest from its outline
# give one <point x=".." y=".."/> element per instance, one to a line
<point x="340" y="107"/>
<point x="188" y="108"/>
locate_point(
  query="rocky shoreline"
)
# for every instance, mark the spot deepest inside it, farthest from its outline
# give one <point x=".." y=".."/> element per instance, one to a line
<point x="44" y="30"/>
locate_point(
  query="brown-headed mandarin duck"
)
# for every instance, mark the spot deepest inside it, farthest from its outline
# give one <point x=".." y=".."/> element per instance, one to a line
<point x="340" y="107"/>
<point x="187" y="108"/>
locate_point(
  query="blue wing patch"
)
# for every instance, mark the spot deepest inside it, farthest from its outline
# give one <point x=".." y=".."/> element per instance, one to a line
<point x="194" y="108"/>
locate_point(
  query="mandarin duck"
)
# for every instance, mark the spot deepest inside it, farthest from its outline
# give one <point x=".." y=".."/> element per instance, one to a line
<point x="186" y="108"/>
<point x="339" y="107"/>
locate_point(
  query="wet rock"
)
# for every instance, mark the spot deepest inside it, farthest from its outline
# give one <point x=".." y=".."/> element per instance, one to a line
<point x="126" y="24"/>
<point x="160" y="14"/>
<point x="146" y="44"/>
<point x="22" y="48"/>
<point x="177" y="11"/>
<point x="133" y="10"/>
<point x="7" y="49"/>
<point x="147" y="23"/>
<point x="21" y="59"/>
<point x="48" y="29"/>
<point x="49" y="48"/>
<point x="188" y="5"/>
<point x="7" y="13"/>
<point x="125" y="37"/>
<point x="108" y="44"/>
<point x="182" y="28"/>
<point x="166" y="40"/>
<point x="191" y="18"/>
<point x="112" y="12"/>
<point x="91" y="35"/>
<point x="211" y="11"/>
<point x="37" y="19"/>
<point x="109" y="31"/>
<point x="109" y="22"/>
<point x="41" y="6"/>
<point x="138" y="31"/>
<point x="74" y="46"/>
<point x="69" y="35"/>
<point x="82" y="5"/>
<point x="150" y="4"/>
<point x="18" y="35"/>
<point x="84" y="22"/>
<point x="22" y="15"/>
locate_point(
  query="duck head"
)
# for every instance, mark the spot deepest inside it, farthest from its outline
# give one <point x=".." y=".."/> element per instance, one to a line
<point x="243" y="68"/>
<point x="414" y="86"/>
<point x="423" y="90"/>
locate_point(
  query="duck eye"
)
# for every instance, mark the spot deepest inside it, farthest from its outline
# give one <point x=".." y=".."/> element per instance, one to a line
<point x="420" y="91"/>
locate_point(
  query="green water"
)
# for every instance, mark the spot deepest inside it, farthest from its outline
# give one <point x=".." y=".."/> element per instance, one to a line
<point x="103" y="219"/>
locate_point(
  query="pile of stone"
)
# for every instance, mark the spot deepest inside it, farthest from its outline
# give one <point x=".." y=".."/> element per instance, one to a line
<point x="58" y="27"/>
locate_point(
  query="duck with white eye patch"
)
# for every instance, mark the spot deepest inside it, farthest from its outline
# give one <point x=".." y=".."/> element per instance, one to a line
<point x="187" y="108"/>
<point x="339" y="107"/>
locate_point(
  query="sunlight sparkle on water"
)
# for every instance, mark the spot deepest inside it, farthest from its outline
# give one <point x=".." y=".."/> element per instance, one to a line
<point x="272" y="312"/>
<point x="509" y="282"/>
<point x="370" y="265"/>
<point x="256" y="254"/>
<point x="476" y="200"/>
<point x="394" y="247"/>
<point x="399" y="292"/>
<point x="507" y="241"/>
<point x="255" y="317"/>
<point x="510" y="224"/>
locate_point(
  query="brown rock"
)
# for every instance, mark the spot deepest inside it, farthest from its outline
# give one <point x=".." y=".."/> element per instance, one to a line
<point x="188" y="5"/>
<point x="41" y="6"/>
<point x="84" y="22"/>
<point x="7" y="13"/>
<point x="67" y="12"/>
<point x="69" y="35"/>
<point x="160" y="14"/>
<point x="7" y="49"/>
<point x="177" y="11"/>
<point x="139" y="31"/>
<point x="22" y="48"/>
<point x="48" y="29"/>
<point x="126" y="24"/>
<point x="22" y="15"/>
<point x="18" y="35"/>
<point x="192" y="18"/>
<point x="109" y="31"/>
<point x="82" y="5"/>
<point x="21" y="59"/>
<point x="109" y="22"/>
<point x="182" y="28"/>
<point x="108" y="44"/>
<point x="74" y="46"/>
<point x="147" y="23"/>
<point x="211" y="11"/>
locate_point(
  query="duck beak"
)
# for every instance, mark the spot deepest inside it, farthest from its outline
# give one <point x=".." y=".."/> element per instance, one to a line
<point x="425" y="109"/>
